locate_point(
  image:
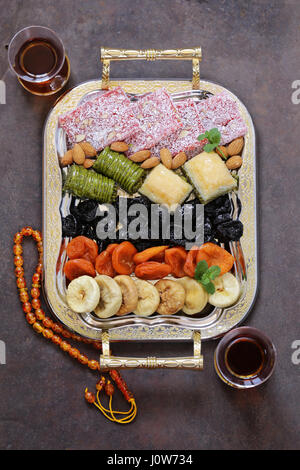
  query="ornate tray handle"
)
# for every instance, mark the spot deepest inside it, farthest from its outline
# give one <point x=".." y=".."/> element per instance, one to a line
<point x="193" y="54"/>
<point x="112" y="362"/>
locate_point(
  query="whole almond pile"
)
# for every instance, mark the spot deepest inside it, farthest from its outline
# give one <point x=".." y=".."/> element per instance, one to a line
<point x="82" y="153"/>
<point x="232" y="153"/>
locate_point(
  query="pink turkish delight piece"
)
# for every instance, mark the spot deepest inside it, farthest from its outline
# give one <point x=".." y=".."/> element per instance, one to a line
<point x="234" y="129"/>
<point x="184" y="139"/>
<point x="157" y="117"/>
<point x="221" y="111"/>
<point x="218" y="110"/>
<point x="102" y="120"/>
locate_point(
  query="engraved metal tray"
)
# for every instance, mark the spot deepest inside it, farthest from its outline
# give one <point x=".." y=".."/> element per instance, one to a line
<point x="213" y="323"/>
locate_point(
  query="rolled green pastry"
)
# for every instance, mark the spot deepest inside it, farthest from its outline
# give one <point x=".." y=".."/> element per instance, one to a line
<point x="89" y="184"/>
<point x="117" y="166"/>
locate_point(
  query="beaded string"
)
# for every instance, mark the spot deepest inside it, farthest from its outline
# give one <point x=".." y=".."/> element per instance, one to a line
<point x="51" y="330"/>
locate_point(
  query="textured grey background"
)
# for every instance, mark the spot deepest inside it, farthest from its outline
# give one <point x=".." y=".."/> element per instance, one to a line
<point x="253" y="48"/>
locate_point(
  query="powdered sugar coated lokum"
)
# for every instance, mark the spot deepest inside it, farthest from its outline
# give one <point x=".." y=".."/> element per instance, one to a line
<point x="157" y="117"/>
<point x="102" y="120"/>
<point x="221" y="111"/>
<point x="184" y="139"/>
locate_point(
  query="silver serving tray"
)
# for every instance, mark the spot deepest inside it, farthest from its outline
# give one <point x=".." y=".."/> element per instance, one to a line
<point x="212" y="322"/>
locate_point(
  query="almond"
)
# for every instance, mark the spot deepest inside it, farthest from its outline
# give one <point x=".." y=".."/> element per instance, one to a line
<point x="88" y="163"/>
<point x="88" y="149"/>
<point x="179" y="160"/>
<point x="140" y="156"/>
<point x="78" y="154"/>
<point x="67" y="159"/>
<point x="223" y="150"/>
<point x="166" y="158"/>
<point x="234" y="162"/>
<point x="150" y="163"/>
<point x="236" y="146"/>
<point x="119" y="146"/>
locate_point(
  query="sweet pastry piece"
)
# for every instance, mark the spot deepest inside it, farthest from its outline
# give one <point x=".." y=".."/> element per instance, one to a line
<point x="209" y="176"/>
<point x="221" y="111"/>
<point x="163" y="186"/>
<point x="157" y="118"/>
<point x="102" y="120"/>
<point x="184" y="139"/>
<point x="117" y="166"/>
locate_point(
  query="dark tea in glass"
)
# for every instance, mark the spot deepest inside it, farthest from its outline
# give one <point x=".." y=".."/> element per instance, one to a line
<point x="245" y="358"/>
<point x="37" y="57"/>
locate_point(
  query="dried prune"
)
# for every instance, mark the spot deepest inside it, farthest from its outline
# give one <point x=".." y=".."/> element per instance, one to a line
<point x="229" y="231"/>
<point x="86" y="211"/>
<point x="221" y="218"/>
<point x="69" y="226"/>
<point x="218" y="206"/>
<point x="89" y="232"/>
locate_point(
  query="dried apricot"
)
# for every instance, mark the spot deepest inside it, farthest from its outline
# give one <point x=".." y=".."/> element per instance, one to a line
<point x="82" y="247"/>
<point x="122" y="258"/>
<point x="151" y="270"/>
<point x="78" y="267"/>
<point x="176" y="258"/>
<point x="148" y="254"/>
<point x="191" y="261"/>
<point x="216" y="256"/>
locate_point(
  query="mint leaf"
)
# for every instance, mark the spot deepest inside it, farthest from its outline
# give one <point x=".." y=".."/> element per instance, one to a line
<point x="209" y="147"/>
<point x="201" y="268"/>
<point x="202" y="136"/>
<point x="214" y="136"/>
<point x="213" y="272"/>
<point x="205" y="275"/>
<point x="210" y="288"/>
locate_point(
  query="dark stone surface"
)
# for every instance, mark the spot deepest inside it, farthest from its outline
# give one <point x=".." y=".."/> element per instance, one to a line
<point x="253" y="49"/>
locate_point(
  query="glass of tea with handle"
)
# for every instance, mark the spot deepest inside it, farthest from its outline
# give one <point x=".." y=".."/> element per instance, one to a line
<point x="245" y="358"/>
<point x="37" y="56"/>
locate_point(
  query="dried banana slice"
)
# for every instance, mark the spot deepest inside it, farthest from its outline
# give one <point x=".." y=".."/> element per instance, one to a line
<point x="196" y="296"/>
<point x="228" y="290"/>
<point x="172" y="296"/>
<point x="129" y="294"/>
<point x="83" y="294"/>
<point x="148" y="298"/>
<point x="110" y="297"/>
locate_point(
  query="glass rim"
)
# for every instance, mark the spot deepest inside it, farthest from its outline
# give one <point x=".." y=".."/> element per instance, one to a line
<point x="229" y="337"/>
<point x="50" y="76"/>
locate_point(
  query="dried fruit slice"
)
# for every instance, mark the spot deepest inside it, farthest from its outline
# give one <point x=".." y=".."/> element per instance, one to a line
<point x="172" y="296"/>
<point x="122" y="258"/>
<point x="227" y="291"/>
<point x="148" y="298"/>
<point x="129" y="294"/>
<point x="176" y="258"/>
<point x="83" y="294"/>
<point x="149" y="253"/>
<point x="82" y="247"/>
<point x="78" y="267"/>
<point x="196" y="296"/>
<point x="110" y="297"/>
<point x="152" y="270"/>
<point x="214" y="255"/>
